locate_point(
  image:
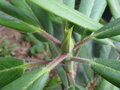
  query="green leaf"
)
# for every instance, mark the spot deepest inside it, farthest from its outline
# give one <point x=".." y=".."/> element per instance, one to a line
<point x="12" y="22"/>
<point x="37" y="48"/>
<point x="114" y="7"/>
<point x="59" y="31"/>
<point x="17" y="17"/>
<point x="67" y="13"/>
<point x="93" y="8"/>
<point x="116" y="38"/>
<point x="113" y="54"/>
<point x="33" y="80"/>
<point x="53" y="81"/>
<point x="70" y="3"/>
<point x="43" y="17"/>
<point x="105" y="41"/>
<point x="10" y="69"/>
<point x="55" y="19"/>
<point x="105" y="51"/>
<point x="84" y="73"/>
<point x="105" y="85"/>
<point x="25" y="9"/>
<point x="109" y="30"/>
<point x="76" y="87"/>
<point x="63" y="76"/>
<point x="56" y="87"/>
<point x="108" y="69"/>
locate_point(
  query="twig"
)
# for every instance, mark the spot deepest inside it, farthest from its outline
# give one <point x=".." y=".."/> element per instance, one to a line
<point x="117" y="49"/>
<point x="80" y="59"/>
<point x="50" y="37"/>
<point x="56" y="61"/>
<point x="82" y="42"/>
<point x="40" y="63"/>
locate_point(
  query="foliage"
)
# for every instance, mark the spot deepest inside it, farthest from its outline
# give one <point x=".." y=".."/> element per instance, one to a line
<point x="83" y="47"/>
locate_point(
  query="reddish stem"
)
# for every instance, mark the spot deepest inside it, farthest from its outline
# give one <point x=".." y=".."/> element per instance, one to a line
<point x="118" y="50"/>
<point x="82" y="42"/>
<point x="80" y="59"/>
<point x="50" y="37"/>
<point x="40" y="63"/>
<point x="56" y="61"/>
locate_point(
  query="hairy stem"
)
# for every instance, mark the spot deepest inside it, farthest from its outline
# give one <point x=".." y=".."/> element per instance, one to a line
<point x="80" y="59"/>
<point x="40" y="63"/>
<point x="82" y="42"/>
<point x="50" y="37"/>
<point x="117" y="49"/>
<point x="56" y="61"/>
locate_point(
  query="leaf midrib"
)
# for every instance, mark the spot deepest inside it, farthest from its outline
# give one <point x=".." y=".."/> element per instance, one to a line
<point x="106" y="30"/>
<point x="44" y="71"/>
<point x="108" y="67"/>
<point x="79" y="15"/>
<point x="12" y="68"/>
<point x="32" y="26"/>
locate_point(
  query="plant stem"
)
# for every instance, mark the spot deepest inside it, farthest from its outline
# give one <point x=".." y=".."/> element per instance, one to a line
<point x="71" y="72"/>
<point x="40" y="63"/>
<point x="118" y="50"/>
<point x="80" y="59"/>
<point x="82" y="42"/>
<point x="50" y="37"/>
<point x="56" y="61"/>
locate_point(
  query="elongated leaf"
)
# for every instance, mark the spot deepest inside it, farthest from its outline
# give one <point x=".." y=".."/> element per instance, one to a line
<point x="63" y="76"/>
<point x="105" y="85"/>
<point x="70" y="3"/>
<point x="93" y="8"/>
<point x="67" y="13"/>
<point x="56" y="87"/>
<point x="16" y="17"/>
<point x="43" y="17"/>
<point x="35" y="80"/>
<point x="108" y="69"/>
<point x="114" y="7"/>
<point x="105" y="51"/>
<point x="12" y="22"/>
<point x="76" y="87"/>
<point x="60" y="31"/>
<point x="24" y="8"/>
<point x="10" y="69"/>
<point x="116" y="38"/>
<point x="85" y="73"/>
<point x="19" y="9"/>
<point x="109" y="30"/>
<point x="113" y="54"/>
<point x="104" y="41"/>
